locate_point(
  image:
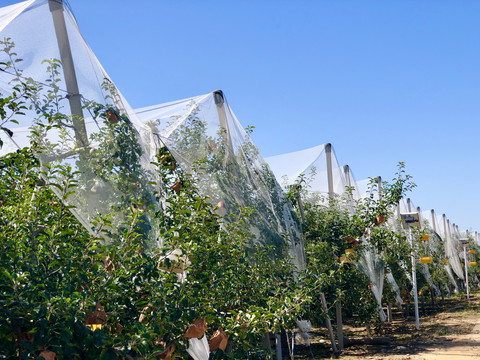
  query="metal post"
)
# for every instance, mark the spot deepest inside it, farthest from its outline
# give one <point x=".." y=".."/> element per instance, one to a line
<point x="420" y="218"/>
<point x="414" y="271"/>
<point x="329" y="323"/>
<point x="338" y="304"/>
<point x="445" y="226"/>
<point x="348" y="180"/>
<point x="434" y="221"/>
<point x="222" y="116"/>
<point x="398" y="216"/>
<point x="300" y="205"/>
<point x="74" y="97"/>
<point x="278" y="346"/>
<point x="346" y="171"/>
<point x="328" y="153"/>
<point x="379" y="187"/>
<point x="466" y="268"/>
<point x="414" y="279"/>
<point x="338" y="311"/>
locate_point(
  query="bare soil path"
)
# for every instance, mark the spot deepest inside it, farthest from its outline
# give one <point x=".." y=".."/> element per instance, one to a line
<point x="450" y="331"/>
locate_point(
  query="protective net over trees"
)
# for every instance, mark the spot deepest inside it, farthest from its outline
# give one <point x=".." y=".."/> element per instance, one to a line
<point x="314" y="166"/>
<point x="75" y="116"/>
<point x="206" y="139"/>
<point x="79" y="118"/>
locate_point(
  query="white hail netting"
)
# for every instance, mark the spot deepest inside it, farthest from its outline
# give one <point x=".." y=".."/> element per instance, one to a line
<point x="428" y="248"/>
<point x="437" y="222"/>
<point x="362" y="187"/>
<point x="304" y="328"/>
<point x="312" y="165"/>
<point x="449" y="272"/>
<point x="402" y="207"/>
<point x="371" y="264"/>
<point x="426" y="274"/>
<point x="437" y="243"/>
<point x="232" y="172"/>
<point x="395" y="288"/>
<point x="352" y="183"/>
<point x="432" y="247"/>
<point x="371" y="189"/>
<point x="403" y="264"/>
<point x="453" y="249"/>
<point x="93" y="130"/>
<point x="199" y="349"/>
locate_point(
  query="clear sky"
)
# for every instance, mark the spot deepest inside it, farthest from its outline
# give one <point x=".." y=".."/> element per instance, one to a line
<point x="382" y="80"/>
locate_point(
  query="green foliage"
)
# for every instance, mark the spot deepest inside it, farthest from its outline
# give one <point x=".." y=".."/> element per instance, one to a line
<point x="335" y="224"/>
<point x="225" y="166"/>
<point x="56" y="275"/>
<point x="54" y="272"/>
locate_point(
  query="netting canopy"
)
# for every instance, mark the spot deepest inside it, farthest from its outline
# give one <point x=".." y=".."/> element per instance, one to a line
<point x="371" y="264"/>
<point x="75" y="115"/>
<point x="205" y="137"/>
<point x="314" y="165"/>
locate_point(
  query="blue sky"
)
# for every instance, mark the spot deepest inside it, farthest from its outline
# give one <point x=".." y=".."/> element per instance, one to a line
<point x="383" y="81"/>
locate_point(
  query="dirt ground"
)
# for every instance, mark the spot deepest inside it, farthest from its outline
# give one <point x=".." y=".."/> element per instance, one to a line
<point x="449" y="330"/>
